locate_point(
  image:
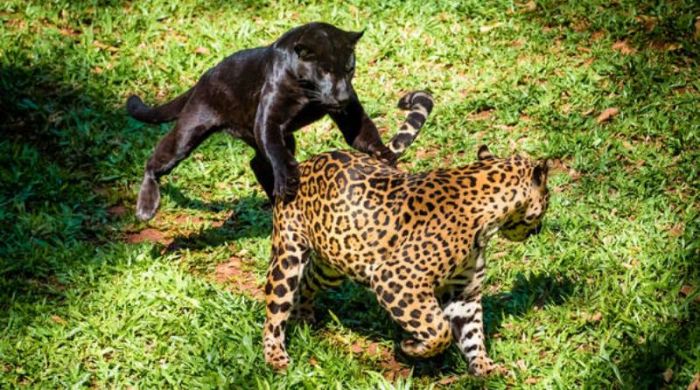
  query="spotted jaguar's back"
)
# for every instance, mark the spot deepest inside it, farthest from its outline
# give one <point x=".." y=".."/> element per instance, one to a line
<point x="358" y="211"/>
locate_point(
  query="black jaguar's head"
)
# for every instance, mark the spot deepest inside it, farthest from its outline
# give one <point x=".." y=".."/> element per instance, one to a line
<point x="324" y="62"/>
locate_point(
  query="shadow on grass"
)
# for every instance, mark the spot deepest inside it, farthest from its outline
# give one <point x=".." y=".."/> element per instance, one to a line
<point x="349" y="303"/>
<point x="251" y="217"/>
<point x="64" y="159"/>
<point x="56" y="153"/>
<point x="67" y="153"/>
<point x="527" y="292"/>
<point x="182" y="200"/>
<point x="673" y="345"/>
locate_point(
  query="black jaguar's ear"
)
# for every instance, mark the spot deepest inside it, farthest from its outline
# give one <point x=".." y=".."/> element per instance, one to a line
<point x="539" y="173"/>
<point x="484" y="153"/>
<point x="355" y="36"/>
<point x="303" y="51"/>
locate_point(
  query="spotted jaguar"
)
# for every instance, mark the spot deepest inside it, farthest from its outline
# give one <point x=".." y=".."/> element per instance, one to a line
<point x="417" y="240"/>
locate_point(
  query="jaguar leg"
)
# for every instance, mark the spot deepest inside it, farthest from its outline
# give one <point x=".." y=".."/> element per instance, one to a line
<point x="465" y="314"/>
<point x="284" y="272"/>
<point x="317" y="277"/>
<point x="416" y="310"/>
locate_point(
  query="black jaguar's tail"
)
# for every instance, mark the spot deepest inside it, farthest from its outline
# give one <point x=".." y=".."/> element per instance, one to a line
<point x="421" y="104"/>
<point x="164" y="113"/>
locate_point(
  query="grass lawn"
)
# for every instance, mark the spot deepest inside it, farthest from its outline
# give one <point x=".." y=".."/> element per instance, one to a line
<point x="607" y="296"/>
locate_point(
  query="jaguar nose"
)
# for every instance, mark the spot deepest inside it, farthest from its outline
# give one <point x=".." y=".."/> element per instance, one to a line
<point x="337" y="104"/>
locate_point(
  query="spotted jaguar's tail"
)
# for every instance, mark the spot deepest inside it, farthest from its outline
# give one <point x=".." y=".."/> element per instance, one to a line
<point x="420" y="103"/>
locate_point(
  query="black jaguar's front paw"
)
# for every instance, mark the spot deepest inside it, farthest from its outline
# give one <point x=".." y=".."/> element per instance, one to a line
<point x="286" y="182"/>
<point x="386" y="155"/>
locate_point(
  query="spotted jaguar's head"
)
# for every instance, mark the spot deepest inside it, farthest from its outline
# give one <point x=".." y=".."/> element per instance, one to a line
<point x="526" y="219"/>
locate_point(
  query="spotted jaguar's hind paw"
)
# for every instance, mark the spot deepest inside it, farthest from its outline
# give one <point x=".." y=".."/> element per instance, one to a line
<point x="304" y="315"/>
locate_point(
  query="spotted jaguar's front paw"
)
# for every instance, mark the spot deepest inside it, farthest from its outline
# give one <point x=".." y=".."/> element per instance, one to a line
<point x="276" y="357"/>
<point x="278" y="363"/>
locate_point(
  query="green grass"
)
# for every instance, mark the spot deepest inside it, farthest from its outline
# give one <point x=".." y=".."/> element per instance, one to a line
<point x="602" y="298"/>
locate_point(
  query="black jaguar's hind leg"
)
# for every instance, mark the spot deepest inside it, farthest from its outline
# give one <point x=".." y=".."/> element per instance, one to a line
<point x="190" y="130"/>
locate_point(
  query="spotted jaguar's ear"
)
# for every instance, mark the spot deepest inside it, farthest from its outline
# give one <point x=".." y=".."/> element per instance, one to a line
<point x="484" y="153"/>
<point x="355" y="36"/>
<point x="539" y="173"/>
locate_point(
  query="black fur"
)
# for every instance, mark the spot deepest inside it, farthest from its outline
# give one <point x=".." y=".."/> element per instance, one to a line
<point x="262" y="96"/>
